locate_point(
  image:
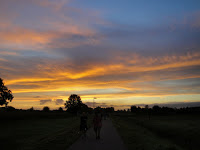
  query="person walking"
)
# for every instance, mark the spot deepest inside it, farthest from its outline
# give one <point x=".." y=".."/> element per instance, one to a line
<point x="83" y="124"/>
<point x="97" y="121"/>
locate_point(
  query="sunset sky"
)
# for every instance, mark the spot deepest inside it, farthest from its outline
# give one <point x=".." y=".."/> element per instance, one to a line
<point x="123" y="52"/>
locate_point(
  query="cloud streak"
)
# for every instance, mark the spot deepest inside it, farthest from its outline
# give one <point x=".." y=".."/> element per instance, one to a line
<point x="50" y="101"/>
<point x="136" y="75"/>
<point x="42" y="102"/>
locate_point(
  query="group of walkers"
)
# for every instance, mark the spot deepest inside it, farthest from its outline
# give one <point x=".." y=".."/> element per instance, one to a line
<point x="97" y="124"/>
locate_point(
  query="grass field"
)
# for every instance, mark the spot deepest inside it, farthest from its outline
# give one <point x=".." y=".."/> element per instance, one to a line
<point x="172" y="132"/>
<point x="38" y="133"/>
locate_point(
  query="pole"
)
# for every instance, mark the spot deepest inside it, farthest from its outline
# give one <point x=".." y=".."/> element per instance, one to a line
<point x="93" y="101"/>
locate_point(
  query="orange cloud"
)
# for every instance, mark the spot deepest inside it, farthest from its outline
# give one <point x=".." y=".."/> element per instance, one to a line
<point x="55" y="30"/>
<point x="59" y="72"/>
<point x="55" y="5"/>
<point x="28" y="80"/>
<point x="20" y="38"/>
<point x="8" y="53"/>
<point x="141" y="64"/>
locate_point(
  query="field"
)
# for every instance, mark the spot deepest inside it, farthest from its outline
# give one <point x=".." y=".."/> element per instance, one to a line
<point x="38" y="130"/>
<point x="58" y="130"/>
<point x="167" y="132"/>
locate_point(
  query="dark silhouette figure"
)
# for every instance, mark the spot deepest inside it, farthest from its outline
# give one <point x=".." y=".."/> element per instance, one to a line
<point x="5" y="94"/>
<point x="83" y="124"/>
<point x="97" y="121"/>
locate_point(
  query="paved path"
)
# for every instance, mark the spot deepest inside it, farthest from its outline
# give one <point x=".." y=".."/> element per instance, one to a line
<point x="110" y="140"/>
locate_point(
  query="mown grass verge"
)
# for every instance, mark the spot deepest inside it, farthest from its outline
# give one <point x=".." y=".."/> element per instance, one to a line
<point x="40" y="134"/>
<point x="138" y="137"/>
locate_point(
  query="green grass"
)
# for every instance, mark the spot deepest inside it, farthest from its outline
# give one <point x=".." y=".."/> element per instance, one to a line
<point x="160" y="132"/>
<point x="32" y="134"/>
<point x="184" y="130"/>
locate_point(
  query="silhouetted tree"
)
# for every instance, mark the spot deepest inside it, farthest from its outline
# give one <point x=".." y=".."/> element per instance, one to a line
<point x="31" y="109"/>
<point x="139" y="109"/>
<point x="110" y="109"/>
<point x="148" y="111"/>
<point x="46" y="109"/>
<point x="156" y="108"/>
<point x="60" y="109"/>
<point x="98" y="109"/>
<point x="84" y="108"/>
<point x="74" y="103"/>
<point x="133" y="109"/>
<point x="5" y="94"/>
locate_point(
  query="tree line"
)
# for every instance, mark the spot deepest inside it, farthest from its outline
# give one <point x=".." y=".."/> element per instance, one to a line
<point x="163" y="110"/>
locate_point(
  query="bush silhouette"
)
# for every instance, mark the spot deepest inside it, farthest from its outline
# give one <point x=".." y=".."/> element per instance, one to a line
<point x="60" y="109"/>
<point x="46" y="109"/>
